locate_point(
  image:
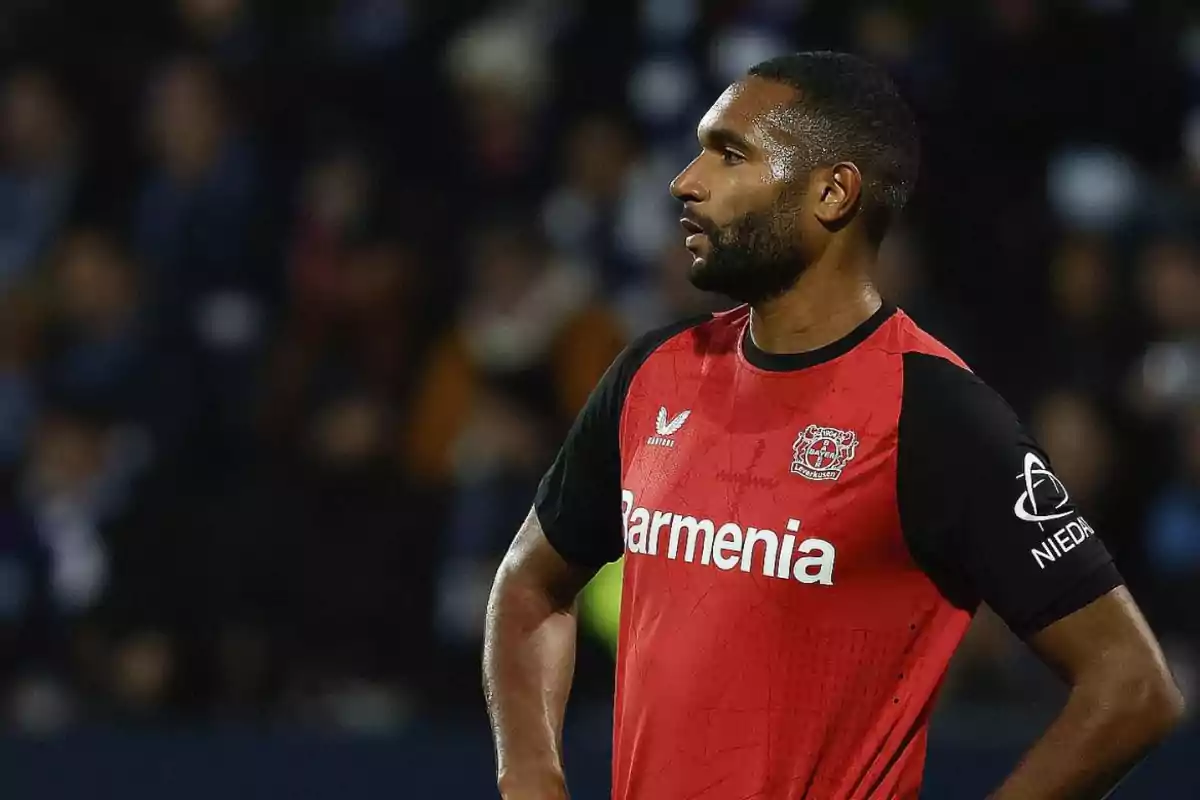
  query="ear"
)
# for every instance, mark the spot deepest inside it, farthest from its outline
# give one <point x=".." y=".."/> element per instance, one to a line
<point x="839" y="189"/>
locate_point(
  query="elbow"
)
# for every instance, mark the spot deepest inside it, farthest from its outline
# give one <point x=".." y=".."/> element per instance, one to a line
<point x="1151" y="705"/>
<point x="1169" y="707"/>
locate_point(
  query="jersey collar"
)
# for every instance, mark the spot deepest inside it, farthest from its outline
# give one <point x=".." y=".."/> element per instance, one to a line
<point x="788" y="362"/>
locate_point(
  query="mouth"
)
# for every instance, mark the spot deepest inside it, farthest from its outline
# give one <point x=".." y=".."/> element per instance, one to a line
<point x="696" y="235"/>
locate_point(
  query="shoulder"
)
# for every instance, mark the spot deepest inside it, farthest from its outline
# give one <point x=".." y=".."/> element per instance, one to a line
<point x="942" y="392"/>
<point x="957" y="434"/>
<point x="656" y="337"/>
<point x="672" y="336"/>
<point x="608" y="396"/>
<point x="940" y="389"/>
<point x="910" y="338"/>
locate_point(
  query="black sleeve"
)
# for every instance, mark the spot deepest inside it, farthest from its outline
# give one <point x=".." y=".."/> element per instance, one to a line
<point x="982" y="511"/>
<point x="578" y="502"/>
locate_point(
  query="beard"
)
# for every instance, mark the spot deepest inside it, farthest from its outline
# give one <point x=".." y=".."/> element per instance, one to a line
<point x="754" y="259"/>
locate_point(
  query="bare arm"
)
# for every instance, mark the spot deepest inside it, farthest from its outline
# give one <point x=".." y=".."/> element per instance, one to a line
<point x="574" y="528"/>
<point x="528" y="663"/>
<point x="1123" y="701"/>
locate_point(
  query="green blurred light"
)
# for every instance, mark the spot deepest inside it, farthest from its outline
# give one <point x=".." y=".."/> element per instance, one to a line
<point x="600" y="605"/>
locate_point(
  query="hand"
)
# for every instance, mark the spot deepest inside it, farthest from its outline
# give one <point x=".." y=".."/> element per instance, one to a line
<point x="540" y="787"/>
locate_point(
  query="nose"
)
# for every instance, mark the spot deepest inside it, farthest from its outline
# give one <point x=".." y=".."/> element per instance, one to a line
<point x="687" y="185"/>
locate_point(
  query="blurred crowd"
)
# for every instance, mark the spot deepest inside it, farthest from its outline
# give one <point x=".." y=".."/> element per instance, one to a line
<point x="297" y="300"/>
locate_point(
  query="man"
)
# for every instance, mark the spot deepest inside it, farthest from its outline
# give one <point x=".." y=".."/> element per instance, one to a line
<point x="813" y="495"/>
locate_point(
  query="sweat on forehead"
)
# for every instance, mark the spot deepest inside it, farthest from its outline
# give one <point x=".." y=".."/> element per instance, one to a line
<point x="753" y="96"/>
<point x="800" y="128"/>
<point x="782" y="129"/>
<point x="755" y="105"/>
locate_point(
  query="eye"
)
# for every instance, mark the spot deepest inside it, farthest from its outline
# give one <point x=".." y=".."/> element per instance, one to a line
<point x="732" y="157"/>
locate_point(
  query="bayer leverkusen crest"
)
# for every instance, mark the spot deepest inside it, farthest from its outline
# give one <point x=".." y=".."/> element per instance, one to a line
<point x="822" y="453"/>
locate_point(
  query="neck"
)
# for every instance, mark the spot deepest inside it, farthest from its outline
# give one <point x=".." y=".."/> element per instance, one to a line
<point x="826" y="304"/>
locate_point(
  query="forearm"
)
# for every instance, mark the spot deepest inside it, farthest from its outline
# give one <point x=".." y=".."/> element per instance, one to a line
<point x="1098" y="738"/>
<point x="529" y="660"/>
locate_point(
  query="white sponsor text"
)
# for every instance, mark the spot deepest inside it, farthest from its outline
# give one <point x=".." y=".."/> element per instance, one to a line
<point x="726" y="546"/>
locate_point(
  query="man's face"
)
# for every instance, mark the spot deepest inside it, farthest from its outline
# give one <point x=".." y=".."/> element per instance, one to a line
<point x="744" y="195"/>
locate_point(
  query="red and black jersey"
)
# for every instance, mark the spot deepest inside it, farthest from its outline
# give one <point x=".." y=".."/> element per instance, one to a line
<point x="806" y="539"/>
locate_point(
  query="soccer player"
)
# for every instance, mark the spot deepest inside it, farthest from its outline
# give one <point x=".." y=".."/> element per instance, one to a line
<point x="812" y="496"/>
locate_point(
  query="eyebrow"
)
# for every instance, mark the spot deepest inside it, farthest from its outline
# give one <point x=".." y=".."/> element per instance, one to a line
<point x="716" y="137"/>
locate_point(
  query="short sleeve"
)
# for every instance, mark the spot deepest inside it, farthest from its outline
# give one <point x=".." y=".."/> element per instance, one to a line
<point x="982" y="511"/>
<point x="578" y="502"/>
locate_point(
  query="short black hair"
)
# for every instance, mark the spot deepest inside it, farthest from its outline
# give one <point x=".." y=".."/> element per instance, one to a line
<point x="863" y="119"/>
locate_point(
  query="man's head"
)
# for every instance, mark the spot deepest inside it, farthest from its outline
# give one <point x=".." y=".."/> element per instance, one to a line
<point x="805" y="148"/>
<point x="187" y="117"/>
<point x="36" y="123"/>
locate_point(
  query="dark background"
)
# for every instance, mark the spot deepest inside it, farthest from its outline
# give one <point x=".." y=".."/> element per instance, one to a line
<point x="298" y="298"/>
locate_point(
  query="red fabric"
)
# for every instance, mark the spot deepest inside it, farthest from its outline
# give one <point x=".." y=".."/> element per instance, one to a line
<point x="732" y="684"/>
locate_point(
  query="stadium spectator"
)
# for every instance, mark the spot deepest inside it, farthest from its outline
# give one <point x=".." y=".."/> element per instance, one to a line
<point x="20" y="342"/>
<point x="498" y="70"/>
<point x="351" y="301"/>
<point x="583" y="216"/>
<point x="40" y="174"/>
<point x="326" y="580"/>
<point x="30" y="635"/>
<point x="531" y="340"/>
<point x="1173" y="532"/>
<point x="1173" y="550"/>
<point x="209" y="283"/>
<point x="225" y="28"/>
<point x="1088" y="344"/>
<point x="1167" y="375"/>
<point x="94" y="343"/>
